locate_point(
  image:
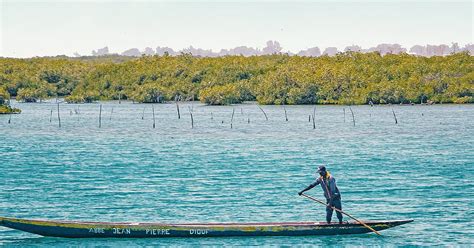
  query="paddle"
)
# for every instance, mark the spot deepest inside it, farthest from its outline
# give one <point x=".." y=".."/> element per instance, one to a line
<point x="342" y="212"/>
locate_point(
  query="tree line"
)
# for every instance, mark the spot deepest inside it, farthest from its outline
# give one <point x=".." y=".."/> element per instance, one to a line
<point x="346" y="78"/>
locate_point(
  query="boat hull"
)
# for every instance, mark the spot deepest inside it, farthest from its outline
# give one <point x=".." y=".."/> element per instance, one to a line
<point x="74" y="229"/>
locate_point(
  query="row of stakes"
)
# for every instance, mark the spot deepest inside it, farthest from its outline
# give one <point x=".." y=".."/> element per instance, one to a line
<point x="310" y="117"/>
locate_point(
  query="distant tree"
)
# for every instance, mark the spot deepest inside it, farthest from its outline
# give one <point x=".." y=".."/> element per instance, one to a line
<point x="4" y="96"/>
<point x="220" y="95"/>
<point x="344" y="78"/>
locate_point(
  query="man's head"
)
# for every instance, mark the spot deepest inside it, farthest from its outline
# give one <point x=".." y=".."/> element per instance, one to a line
<point x="322" y="170"/>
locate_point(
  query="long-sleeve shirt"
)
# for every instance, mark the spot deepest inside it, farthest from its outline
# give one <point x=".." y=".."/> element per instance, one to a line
<point x="326" y="184"/>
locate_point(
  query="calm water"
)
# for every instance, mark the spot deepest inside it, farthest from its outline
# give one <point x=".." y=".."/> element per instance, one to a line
<point x="421" y="169"/>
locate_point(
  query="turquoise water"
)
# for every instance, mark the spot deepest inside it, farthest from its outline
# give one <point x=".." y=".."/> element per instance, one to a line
<point x="420" y="169"/>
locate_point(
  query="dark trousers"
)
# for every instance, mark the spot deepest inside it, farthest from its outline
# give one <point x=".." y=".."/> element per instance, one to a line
<point x="337" y="204"/>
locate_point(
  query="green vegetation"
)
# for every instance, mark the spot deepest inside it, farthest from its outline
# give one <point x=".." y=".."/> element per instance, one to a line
<point x="4" y="107"/>
<point x="348" y="78"/>
<point x="4" y="96"/>
<point x="220" y="94"/>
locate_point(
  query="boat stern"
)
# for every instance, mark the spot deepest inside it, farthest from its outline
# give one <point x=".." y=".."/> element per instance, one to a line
<point x="399" y="222"/>
<point x="382" y="225"/>
<point x="3" y="221"/>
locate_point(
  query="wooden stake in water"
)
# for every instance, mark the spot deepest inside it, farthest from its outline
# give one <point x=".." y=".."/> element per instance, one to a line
<point x="59" y="117"/>
<point x="100" y="116"/>
<point x="314" y="117"/>
<point x="232" y="118"/>
<point x="51" y="115"/>
<point x="344" y="110"/>
<point x="353" y="118"/>
<point x="177" y="108"/>
<point x="266" y="117"/>
<point x="192" y="120"/>
<point x="153" y="111"/>
<point x="394" y="116"/>
<point x="10" y="118"/>
<point x="143" y="114"/>
<point x="111" y="112"/>
<point x="309" y="118"/>
<point x="286" y="116"/>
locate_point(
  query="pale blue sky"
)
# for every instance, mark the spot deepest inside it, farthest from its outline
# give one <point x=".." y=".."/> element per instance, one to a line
<point x="38" y="28"/>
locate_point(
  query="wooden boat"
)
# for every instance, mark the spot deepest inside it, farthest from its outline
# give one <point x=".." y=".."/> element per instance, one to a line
<point x="76" y="229"/>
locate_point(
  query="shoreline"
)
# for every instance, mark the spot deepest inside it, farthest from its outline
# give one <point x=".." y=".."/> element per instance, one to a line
<point x="62" y="101"/>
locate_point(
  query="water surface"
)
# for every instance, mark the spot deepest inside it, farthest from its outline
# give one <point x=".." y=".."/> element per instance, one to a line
<point x="421" y="168"/>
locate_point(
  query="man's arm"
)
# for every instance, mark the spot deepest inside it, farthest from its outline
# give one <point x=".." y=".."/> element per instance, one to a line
<point x="310" y="186"/>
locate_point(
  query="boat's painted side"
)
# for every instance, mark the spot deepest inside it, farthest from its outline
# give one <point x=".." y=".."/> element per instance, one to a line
<point x="75" y="229"/>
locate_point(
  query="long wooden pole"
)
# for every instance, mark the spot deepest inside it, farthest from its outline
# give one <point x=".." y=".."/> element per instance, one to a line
<point x="342" y="212"/>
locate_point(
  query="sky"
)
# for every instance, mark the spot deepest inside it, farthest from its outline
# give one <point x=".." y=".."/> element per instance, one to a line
<point x="49" y="28"/>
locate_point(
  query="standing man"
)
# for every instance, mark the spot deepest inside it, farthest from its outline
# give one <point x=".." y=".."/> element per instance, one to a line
<point x="331" y="192"/>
